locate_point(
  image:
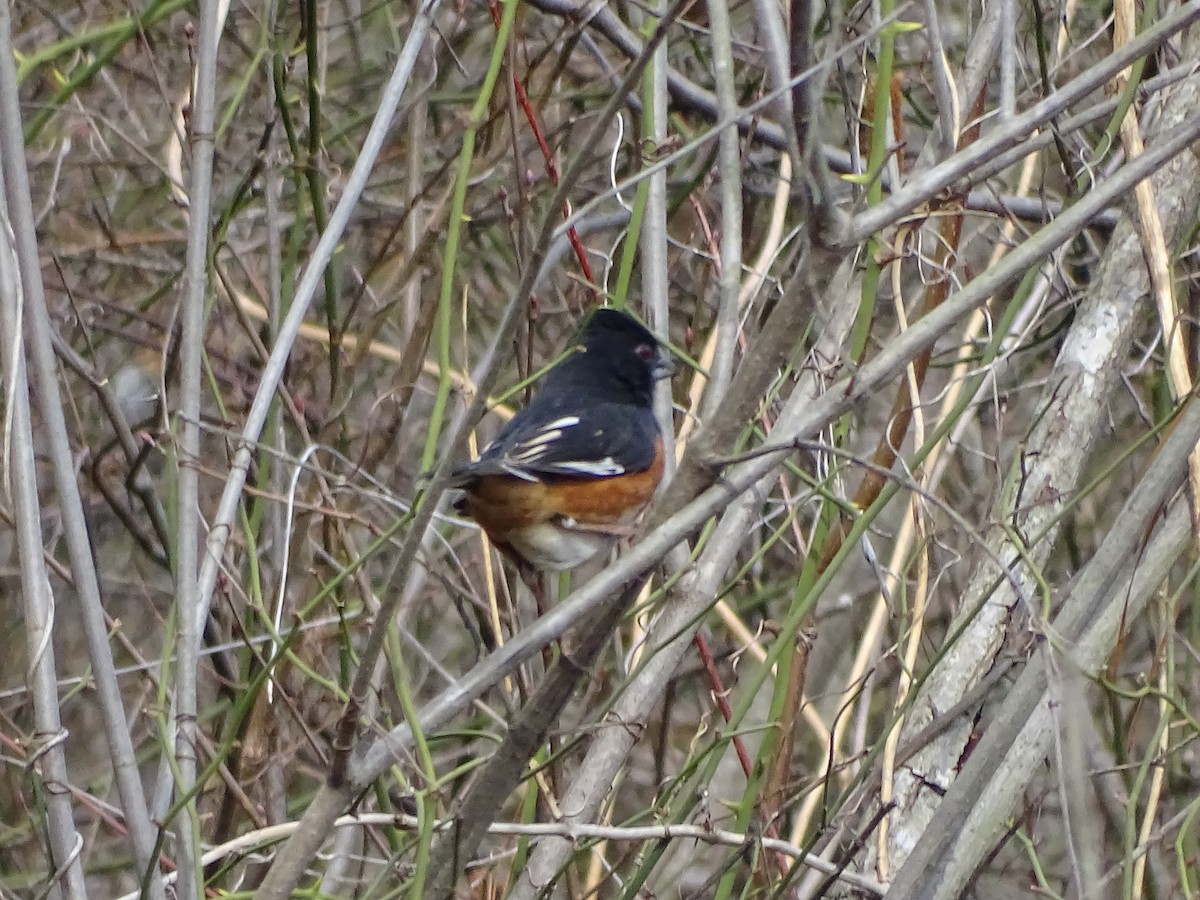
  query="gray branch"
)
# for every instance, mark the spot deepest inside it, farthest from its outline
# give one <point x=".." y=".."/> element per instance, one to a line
<point x="44" y="379"/>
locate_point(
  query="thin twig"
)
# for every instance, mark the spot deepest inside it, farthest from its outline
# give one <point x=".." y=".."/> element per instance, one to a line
<point x="255" y="840"/>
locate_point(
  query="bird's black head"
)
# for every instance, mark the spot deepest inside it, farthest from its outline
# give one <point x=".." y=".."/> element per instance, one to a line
<point x="618" y="356"/>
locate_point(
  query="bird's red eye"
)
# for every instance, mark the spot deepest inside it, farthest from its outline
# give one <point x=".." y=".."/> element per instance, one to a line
<point x="645" y="352"/>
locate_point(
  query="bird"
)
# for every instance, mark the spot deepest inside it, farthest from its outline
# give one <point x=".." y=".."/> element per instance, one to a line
<point x="566" y="477"/>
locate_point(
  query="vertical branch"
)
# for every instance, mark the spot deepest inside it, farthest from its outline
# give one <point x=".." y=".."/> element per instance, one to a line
<point x="729" y="173"/>
<point x="809" y="164"/>
<point x="654" y="238"/>
<point x="187" y="535"/>
<point x="20" y="482"/>
<point x="58" y="447"/>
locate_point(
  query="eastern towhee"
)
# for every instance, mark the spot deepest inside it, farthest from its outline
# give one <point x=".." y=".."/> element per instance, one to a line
<point x="566" y="477"/>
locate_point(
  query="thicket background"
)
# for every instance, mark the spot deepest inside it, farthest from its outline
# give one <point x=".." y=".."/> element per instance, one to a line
<point x="915" y="612"/>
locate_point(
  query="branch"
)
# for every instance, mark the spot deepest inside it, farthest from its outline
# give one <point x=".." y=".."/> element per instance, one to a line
<point x="48" y="760"/>
<point x="187" y="451"/>
<point x="260" y="838"/>
<point x="44" y="381"/>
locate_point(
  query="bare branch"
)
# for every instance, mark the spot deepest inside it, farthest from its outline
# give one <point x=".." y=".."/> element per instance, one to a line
<point x="45" y="380"/>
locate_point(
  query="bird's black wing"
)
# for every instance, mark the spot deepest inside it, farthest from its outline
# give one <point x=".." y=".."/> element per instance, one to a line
<point x="589" y="440"/>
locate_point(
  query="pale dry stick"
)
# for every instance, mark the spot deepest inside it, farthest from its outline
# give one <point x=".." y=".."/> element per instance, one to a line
<point x="415" y="223"/>
<point x="892" y="137"/>
<point x="1081" y="831"/>
<point x="260" y="838"/>
<point x="1060" y="44"/>
<point x="699" y="382"/>
<point x="274" y="226"/>
<point x="388" y="353"/>
<point x="905" y="678"/>
<point x="729" y="171"/>
<point x="653" y="243"/>
<point x="654" y="238"/>
<point x="1154" y="246"/>
<point x="467" y="388"/>
<point x="1156" y="838"/>
<point x="174" y="148"/>
<point x="275" y="523"/>
<point x="869" y="643"/>
<point x="485" y="543"/>
<point x="599" y="868"/>
<point x="1008" y="59"/>
<point x="945" y="89"/>
<point x="772" y="31"/>
<point x="174" y="154"/>
<point x="974" y="75"/>
<point x="201" y="91"/>
<point x="18" y="479"/>
<point x="182" y="732"/>
<point x="750" y="288"/>
<point x="1179" y="379"/>
<point x="1158" y="776"/>
<point x="43" y="375"/>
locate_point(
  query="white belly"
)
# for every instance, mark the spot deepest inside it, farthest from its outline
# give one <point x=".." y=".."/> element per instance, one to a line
<point x="558" y="548"/>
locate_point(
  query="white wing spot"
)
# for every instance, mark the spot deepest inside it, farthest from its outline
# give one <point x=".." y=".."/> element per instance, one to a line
<point x="601" y="468"/>
<point x="518" y="472"/>
<point x="535" y="446"/>
<point x="548" y="436"/>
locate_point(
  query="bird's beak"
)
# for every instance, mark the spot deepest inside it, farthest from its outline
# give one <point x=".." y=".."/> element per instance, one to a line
<point x="665" y="366"/>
